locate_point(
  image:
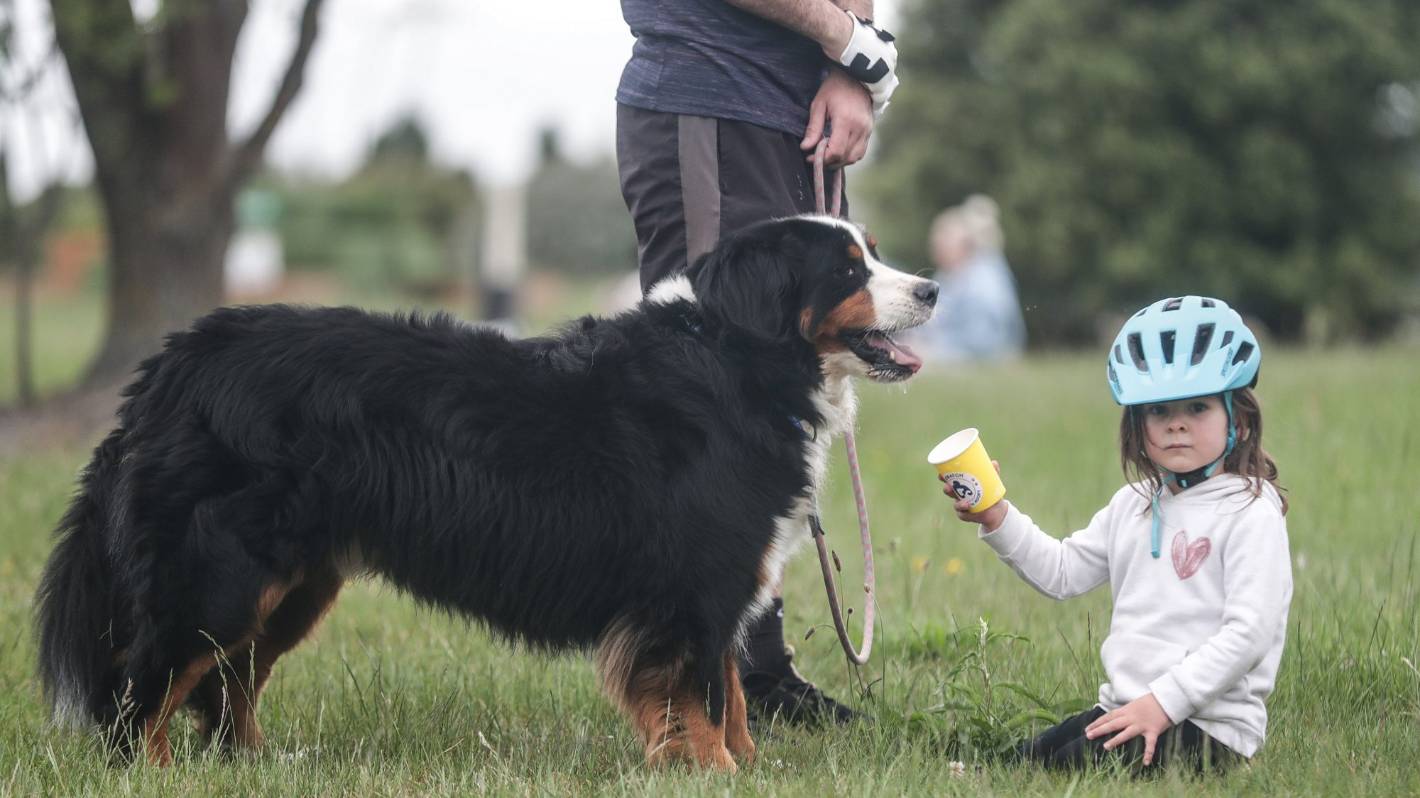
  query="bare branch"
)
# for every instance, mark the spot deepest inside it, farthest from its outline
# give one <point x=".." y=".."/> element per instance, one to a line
<point x="247" y="155"/>
<point x="26" y="85"/>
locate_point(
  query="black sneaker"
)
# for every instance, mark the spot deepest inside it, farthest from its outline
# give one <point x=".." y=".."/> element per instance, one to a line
<point x="785" y="694"/>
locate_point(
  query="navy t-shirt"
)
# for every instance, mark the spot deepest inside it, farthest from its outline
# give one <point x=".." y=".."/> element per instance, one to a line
<point x="708" y="58"/>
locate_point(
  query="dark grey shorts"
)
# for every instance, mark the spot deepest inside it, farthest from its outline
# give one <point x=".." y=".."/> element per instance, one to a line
<point x="689" y="179"/>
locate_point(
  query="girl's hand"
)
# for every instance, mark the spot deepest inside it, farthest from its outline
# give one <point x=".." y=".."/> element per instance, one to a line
<point x="990" y="518"/>
<point x="1143" y="716"/>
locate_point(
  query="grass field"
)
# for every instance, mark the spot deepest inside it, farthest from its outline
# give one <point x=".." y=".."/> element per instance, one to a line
<point x="388" y="699"/>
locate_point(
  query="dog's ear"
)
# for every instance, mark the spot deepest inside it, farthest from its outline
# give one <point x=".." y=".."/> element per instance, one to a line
<point x="752" y="281"/>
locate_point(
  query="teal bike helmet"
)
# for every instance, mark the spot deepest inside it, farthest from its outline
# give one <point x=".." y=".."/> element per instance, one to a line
<point x="1179" y="348"/>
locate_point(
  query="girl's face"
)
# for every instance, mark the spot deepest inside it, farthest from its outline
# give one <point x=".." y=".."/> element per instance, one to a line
<point x="1185" y="434"/>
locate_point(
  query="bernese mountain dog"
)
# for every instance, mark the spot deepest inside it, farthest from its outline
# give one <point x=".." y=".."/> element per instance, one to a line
<point x="630" y="486"/>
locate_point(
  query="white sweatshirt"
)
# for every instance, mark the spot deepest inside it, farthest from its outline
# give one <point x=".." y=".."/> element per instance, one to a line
<point x="1202" y="626"/>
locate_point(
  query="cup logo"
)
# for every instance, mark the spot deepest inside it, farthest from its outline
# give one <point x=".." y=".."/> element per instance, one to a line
<point x="965" y="486"/>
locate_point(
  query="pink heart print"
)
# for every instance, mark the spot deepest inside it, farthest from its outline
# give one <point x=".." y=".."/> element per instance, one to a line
<point x="1188" y="556"/>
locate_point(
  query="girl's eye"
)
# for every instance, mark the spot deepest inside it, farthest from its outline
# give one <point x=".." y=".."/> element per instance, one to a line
<point x="1199" y="407"/>
<point x="1157" y="410"/>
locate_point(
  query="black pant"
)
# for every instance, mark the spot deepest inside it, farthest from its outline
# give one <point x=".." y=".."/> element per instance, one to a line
<point x="1065" y="747"/>
<point x="689" y="179"/>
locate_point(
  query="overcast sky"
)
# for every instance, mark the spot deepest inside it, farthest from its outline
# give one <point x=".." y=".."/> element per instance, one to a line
<point x="482" y="76"/>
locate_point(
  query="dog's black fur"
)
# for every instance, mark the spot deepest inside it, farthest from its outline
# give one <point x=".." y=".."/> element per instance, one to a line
<point x="628" y="470"/>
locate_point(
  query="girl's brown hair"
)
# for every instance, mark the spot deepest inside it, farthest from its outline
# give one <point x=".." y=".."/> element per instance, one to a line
<point x="1248" y="460"/>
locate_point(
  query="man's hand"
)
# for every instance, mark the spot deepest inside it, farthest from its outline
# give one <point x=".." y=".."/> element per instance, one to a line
<point x="844" y="104"/>
<point x="1143" y="716"/>
<point x="865" y="51"/>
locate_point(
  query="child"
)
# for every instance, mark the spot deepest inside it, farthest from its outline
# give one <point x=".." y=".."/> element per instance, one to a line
<point x="1194" y="551"/>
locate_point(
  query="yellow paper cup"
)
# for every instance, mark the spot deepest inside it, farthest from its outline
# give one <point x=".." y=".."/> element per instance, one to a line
<point x="964" y="462"/>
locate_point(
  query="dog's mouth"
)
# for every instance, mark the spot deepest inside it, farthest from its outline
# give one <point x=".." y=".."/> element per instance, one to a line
<point x="888" y="360"/>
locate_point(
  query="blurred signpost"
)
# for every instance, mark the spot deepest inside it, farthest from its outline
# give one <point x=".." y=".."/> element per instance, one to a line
<point x="504" y="253"/>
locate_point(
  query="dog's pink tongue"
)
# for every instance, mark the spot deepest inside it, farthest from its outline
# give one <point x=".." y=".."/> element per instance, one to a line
<point x="900" y="354"/>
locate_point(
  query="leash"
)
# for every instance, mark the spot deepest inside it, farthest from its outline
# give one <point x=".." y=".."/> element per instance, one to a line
<point x="856" y="656"/>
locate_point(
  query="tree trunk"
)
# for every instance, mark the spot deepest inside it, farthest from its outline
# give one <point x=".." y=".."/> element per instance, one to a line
<point x="165" y="269"/>
<point x="22" y="233"/>
<point x="153" y="98"/>
<point x="24" y="324"/>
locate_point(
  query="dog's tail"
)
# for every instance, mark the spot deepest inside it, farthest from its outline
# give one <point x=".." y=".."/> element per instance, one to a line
<point x="74" y="606"/>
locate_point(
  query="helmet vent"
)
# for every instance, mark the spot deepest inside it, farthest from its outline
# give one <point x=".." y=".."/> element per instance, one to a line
<point x="1118" y="355"/>
<point x="1208" y="303"/>
<point x="1136" y="352"/>
<point x="1201" y="339"/>
<point x="1173" y="304"/>
<point x="1166" y="341"/>
<point x="1227" y="339"/>
<point x="1244" y="352"/>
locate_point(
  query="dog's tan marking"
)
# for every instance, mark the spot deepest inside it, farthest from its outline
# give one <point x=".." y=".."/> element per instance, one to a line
<point x="271" y="597"/>
<point x="231" y="694"/>
<point x="737" y="738"/>
<point x="855" y="252"/>
<point x="669" y="715"/>
<point x="155" y="726"/>
<point x="675" y="726"/>
<point x="854" y="313"/>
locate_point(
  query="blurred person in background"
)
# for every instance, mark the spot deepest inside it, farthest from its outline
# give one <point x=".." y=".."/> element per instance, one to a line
<point x="978" y="312"/>
<point x="718" y="110"/>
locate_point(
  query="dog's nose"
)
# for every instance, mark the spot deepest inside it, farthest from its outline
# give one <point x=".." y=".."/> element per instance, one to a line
<point x="926" y="293"/>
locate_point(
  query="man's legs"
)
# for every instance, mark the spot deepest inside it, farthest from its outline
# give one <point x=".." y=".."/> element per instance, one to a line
<point x="686" y="180"/>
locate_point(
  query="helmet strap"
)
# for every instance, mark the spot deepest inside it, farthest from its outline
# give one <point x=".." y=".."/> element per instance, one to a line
<point x="1188" y="479"/>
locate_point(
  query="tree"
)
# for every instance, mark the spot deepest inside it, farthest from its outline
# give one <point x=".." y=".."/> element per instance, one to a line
<point x="577" y="220"/>
<point x="22" y="227"/>
<point x="153" y="97"/>
<point x="22" y="230"/>
<point x="1145" y="149"/>
<point x="401" y="220"/>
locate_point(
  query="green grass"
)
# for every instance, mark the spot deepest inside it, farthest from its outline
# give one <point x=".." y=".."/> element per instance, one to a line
<point x="389" y="699"/>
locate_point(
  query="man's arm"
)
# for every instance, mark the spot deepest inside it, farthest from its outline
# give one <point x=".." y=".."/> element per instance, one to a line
<point x="860" y="8"/>
<point x="820" y="20"/>
<point x="857" y="90"/>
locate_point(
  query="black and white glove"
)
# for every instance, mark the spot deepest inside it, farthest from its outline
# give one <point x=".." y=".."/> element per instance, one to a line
<point x="871" y="58"/>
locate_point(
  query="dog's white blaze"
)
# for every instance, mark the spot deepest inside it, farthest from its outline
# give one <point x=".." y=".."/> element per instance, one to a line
<point x="670" y="290"/>
<point x="838" y="405"/>
<point x="894" y="304"/>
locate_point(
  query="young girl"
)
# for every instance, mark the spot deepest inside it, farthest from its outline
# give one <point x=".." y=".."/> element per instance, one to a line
<point x="1194" y="551"/>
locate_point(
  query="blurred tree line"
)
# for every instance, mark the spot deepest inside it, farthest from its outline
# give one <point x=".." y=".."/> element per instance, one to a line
<point x="1262" y="152"/>
<point x="404" y="222"/>
<point x="577" y="220"/>
<point x="400" y="222"/>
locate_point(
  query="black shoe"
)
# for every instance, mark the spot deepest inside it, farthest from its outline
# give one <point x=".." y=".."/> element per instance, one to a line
<point x="783" y="693"/>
